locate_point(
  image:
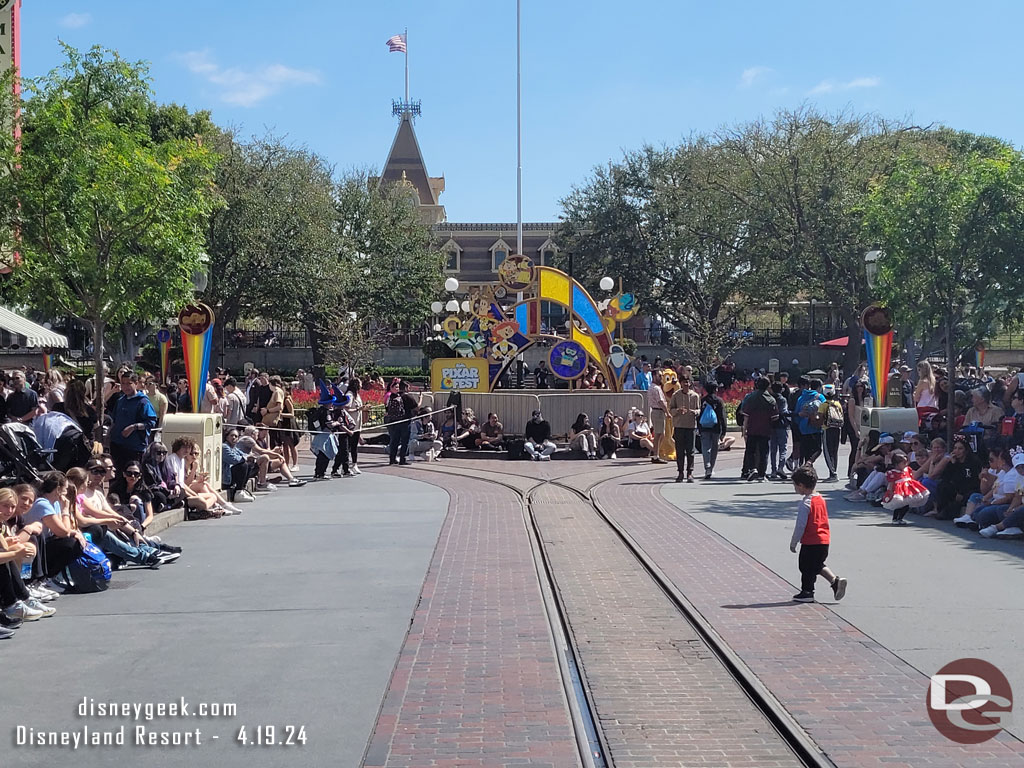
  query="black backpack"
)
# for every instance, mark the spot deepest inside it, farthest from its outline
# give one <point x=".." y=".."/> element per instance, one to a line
<point x="514" y="447"/>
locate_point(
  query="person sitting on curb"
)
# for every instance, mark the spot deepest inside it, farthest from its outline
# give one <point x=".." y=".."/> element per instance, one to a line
<point x="582" y="437"/>
<point x="538" y="444"/>
<point x="492" y="434"/>
<point x="236" y="468"/>
<point x="254" y="441"/>
<point x="424" y="444"/>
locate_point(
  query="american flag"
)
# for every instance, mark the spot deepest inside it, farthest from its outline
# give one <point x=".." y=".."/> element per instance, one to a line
<point x="396" y="43"/>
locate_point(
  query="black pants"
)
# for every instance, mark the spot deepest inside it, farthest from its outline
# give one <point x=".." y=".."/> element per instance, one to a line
<point x="57" y="553"/>
<point x="398" y="441"/>
<point x="122" y="456"/>
<point x="755" y="455"/>
<point x="810" y="447"/>
<point x="240" y="474"/>
<point x="353" y="447"/>
<point x="854" y="444"/>
<point x="609" y="445"/>
<point x="832" y="435"/>
<point x="684" y="440"/>
<point x="322" y="460"/>
<point x="341" y="457"/>
<point x="12" y="588"/>
<point x="812" y="560"/>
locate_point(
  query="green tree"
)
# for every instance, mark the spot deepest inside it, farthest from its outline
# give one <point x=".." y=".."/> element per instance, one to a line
<point x="110" y="219"/>
<point x="661" y="219"/>
<point x="952" y="233"/>
<point x="803" y="179"/>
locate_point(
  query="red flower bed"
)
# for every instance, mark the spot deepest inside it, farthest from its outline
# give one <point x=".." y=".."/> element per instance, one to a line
<point x="735" y="394"/>
<point x="305" y="400"/>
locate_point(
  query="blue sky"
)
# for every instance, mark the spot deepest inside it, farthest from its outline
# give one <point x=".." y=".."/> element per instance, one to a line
<point x="598" y="77"/>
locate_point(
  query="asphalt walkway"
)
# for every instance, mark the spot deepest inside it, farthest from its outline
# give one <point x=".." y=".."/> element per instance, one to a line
<point x="293" y="612"/>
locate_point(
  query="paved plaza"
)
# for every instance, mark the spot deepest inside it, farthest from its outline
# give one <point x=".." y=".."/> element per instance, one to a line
<point x="403" y="618"/>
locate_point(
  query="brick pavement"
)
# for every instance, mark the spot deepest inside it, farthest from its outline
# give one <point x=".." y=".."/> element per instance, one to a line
<point x="476" y="683"/>
<point x="660" y="697"/>
<point x="862" y="704"/>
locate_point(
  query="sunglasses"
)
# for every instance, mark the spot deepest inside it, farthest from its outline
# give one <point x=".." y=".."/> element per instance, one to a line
<point x="194" y="453"/>
<point x="132" y="473"/>
<point x="97" y="471"/>
<point x="160" y="453"/>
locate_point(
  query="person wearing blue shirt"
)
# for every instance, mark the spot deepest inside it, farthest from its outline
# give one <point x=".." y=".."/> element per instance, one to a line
<point x="810" y="401"/>
<point x="643" y="377"/>
<point x="132" y="420"/>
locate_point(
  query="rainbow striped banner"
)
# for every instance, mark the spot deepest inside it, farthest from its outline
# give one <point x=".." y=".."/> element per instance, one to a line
<point x="979" y="357"/>
<point x="47" y="360"/>
<point x="196" y="322"/>
<point x="879" y="351"/>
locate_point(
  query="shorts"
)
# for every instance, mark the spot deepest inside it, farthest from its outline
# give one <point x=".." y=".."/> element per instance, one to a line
<point x="658" y="421"/>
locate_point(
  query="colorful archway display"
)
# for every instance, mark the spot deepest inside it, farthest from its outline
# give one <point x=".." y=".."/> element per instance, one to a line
<point x="499" y="335"/>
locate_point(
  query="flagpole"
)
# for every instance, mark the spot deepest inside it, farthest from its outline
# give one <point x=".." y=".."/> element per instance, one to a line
<point x="406" y="65"/>
<point x="519" y="130"/>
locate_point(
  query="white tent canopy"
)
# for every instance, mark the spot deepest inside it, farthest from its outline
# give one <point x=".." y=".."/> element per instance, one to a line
<point x="15" y="330"/>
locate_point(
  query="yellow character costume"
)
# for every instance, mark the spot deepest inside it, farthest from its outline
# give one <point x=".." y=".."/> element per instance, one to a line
<point x="669" y="384"/>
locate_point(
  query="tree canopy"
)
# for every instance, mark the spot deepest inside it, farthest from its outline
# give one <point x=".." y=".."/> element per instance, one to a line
<point x="111" y="199"/>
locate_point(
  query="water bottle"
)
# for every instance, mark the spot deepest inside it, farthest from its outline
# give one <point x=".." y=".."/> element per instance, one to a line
<point x="26" y="570"/>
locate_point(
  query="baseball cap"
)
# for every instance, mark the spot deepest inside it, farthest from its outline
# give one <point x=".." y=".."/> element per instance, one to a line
<point x="904" y="368"/>
<point x="1018" y="460"/>
<point x="908" y="437"/>
<point x="828" y="389"/>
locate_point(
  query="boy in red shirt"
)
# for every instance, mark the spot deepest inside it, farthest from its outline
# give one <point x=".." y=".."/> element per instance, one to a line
<point x="812" y="533"/>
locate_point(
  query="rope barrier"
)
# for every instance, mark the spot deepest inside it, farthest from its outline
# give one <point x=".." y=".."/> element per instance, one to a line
<point x="371" y="428"/>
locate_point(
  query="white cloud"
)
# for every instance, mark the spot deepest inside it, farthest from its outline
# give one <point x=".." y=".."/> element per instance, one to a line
<point x="751" y="74"/>
<point x="244" y="87"/>
<point x="75" y="20"/>
<point x="830" y="86"/>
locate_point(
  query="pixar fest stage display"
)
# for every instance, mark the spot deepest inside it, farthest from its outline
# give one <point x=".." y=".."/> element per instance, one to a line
<point x="490" y="336"/>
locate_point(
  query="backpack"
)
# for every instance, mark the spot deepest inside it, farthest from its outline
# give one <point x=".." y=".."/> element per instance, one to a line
<point x="834" y="416"/>
<point x="395" y="409"/>
<point x="708" y="417"/>
<point x="90" y="572"/>
<point x="811" y="410"/>
<point x="514" y="447"/>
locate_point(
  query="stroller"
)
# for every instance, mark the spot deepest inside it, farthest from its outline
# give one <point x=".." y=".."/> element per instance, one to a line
<point x="21" y="456"/>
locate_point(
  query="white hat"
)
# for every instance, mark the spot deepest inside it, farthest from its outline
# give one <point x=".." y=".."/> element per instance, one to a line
<point x="1018" y="459"/>
<point x="908" y="437"/>
<point x="886" y="440"/>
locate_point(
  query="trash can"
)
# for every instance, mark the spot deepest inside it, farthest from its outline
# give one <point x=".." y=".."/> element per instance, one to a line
<point x="206" y="429"/>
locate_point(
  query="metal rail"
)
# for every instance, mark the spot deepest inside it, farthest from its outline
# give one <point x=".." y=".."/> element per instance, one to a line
<point x="788" y="730"/>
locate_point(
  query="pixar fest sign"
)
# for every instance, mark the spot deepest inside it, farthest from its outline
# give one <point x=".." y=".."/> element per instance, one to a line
<point x="459" y="374"/>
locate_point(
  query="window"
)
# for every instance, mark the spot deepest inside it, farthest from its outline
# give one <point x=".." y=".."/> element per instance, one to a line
<point x="546" y="253"/>
<point x="452" y="256"/>
<point x="499" y="252"/>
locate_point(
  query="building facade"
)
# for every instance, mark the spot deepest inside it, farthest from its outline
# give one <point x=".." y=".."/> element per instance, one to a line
<point x="474" y="251"/>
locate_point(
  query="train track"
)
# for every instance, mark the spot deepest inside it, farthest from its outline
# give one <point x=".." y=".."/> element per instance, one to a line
<point x="593" y="747"/>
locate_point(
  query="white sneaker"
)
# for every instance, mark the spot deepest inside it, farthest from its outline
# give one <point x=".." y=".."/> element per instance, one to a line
<point x="267" y="487"/>
<point x="989" y="532"/>
<point x="613" y="456"/>
<point x="42" y="594"/>
<point x="545" y="457"/>
<point x="1009" y="533"/>
<point x="356" y="470"/>
<point x="44" y="609"/>
<point x="962" y="521"/>
<point x="22" y="610"/>
<point x="168" y="557"/>
<point x="244" y="496"/>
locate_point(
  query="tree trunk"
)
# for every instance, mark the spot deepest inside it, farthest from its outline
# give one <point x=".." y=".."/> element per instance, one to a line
<point x="950" y="400"/>
<point x="316" y="343"/>
<point x="128" y="332"/>
<point x="851" y="355"/>
<point x="98" y="329"/>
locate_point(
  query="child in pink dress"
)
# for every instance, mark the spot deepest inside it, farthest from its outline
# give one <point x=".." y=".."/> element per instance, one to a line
<point x="902" y="490"/>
